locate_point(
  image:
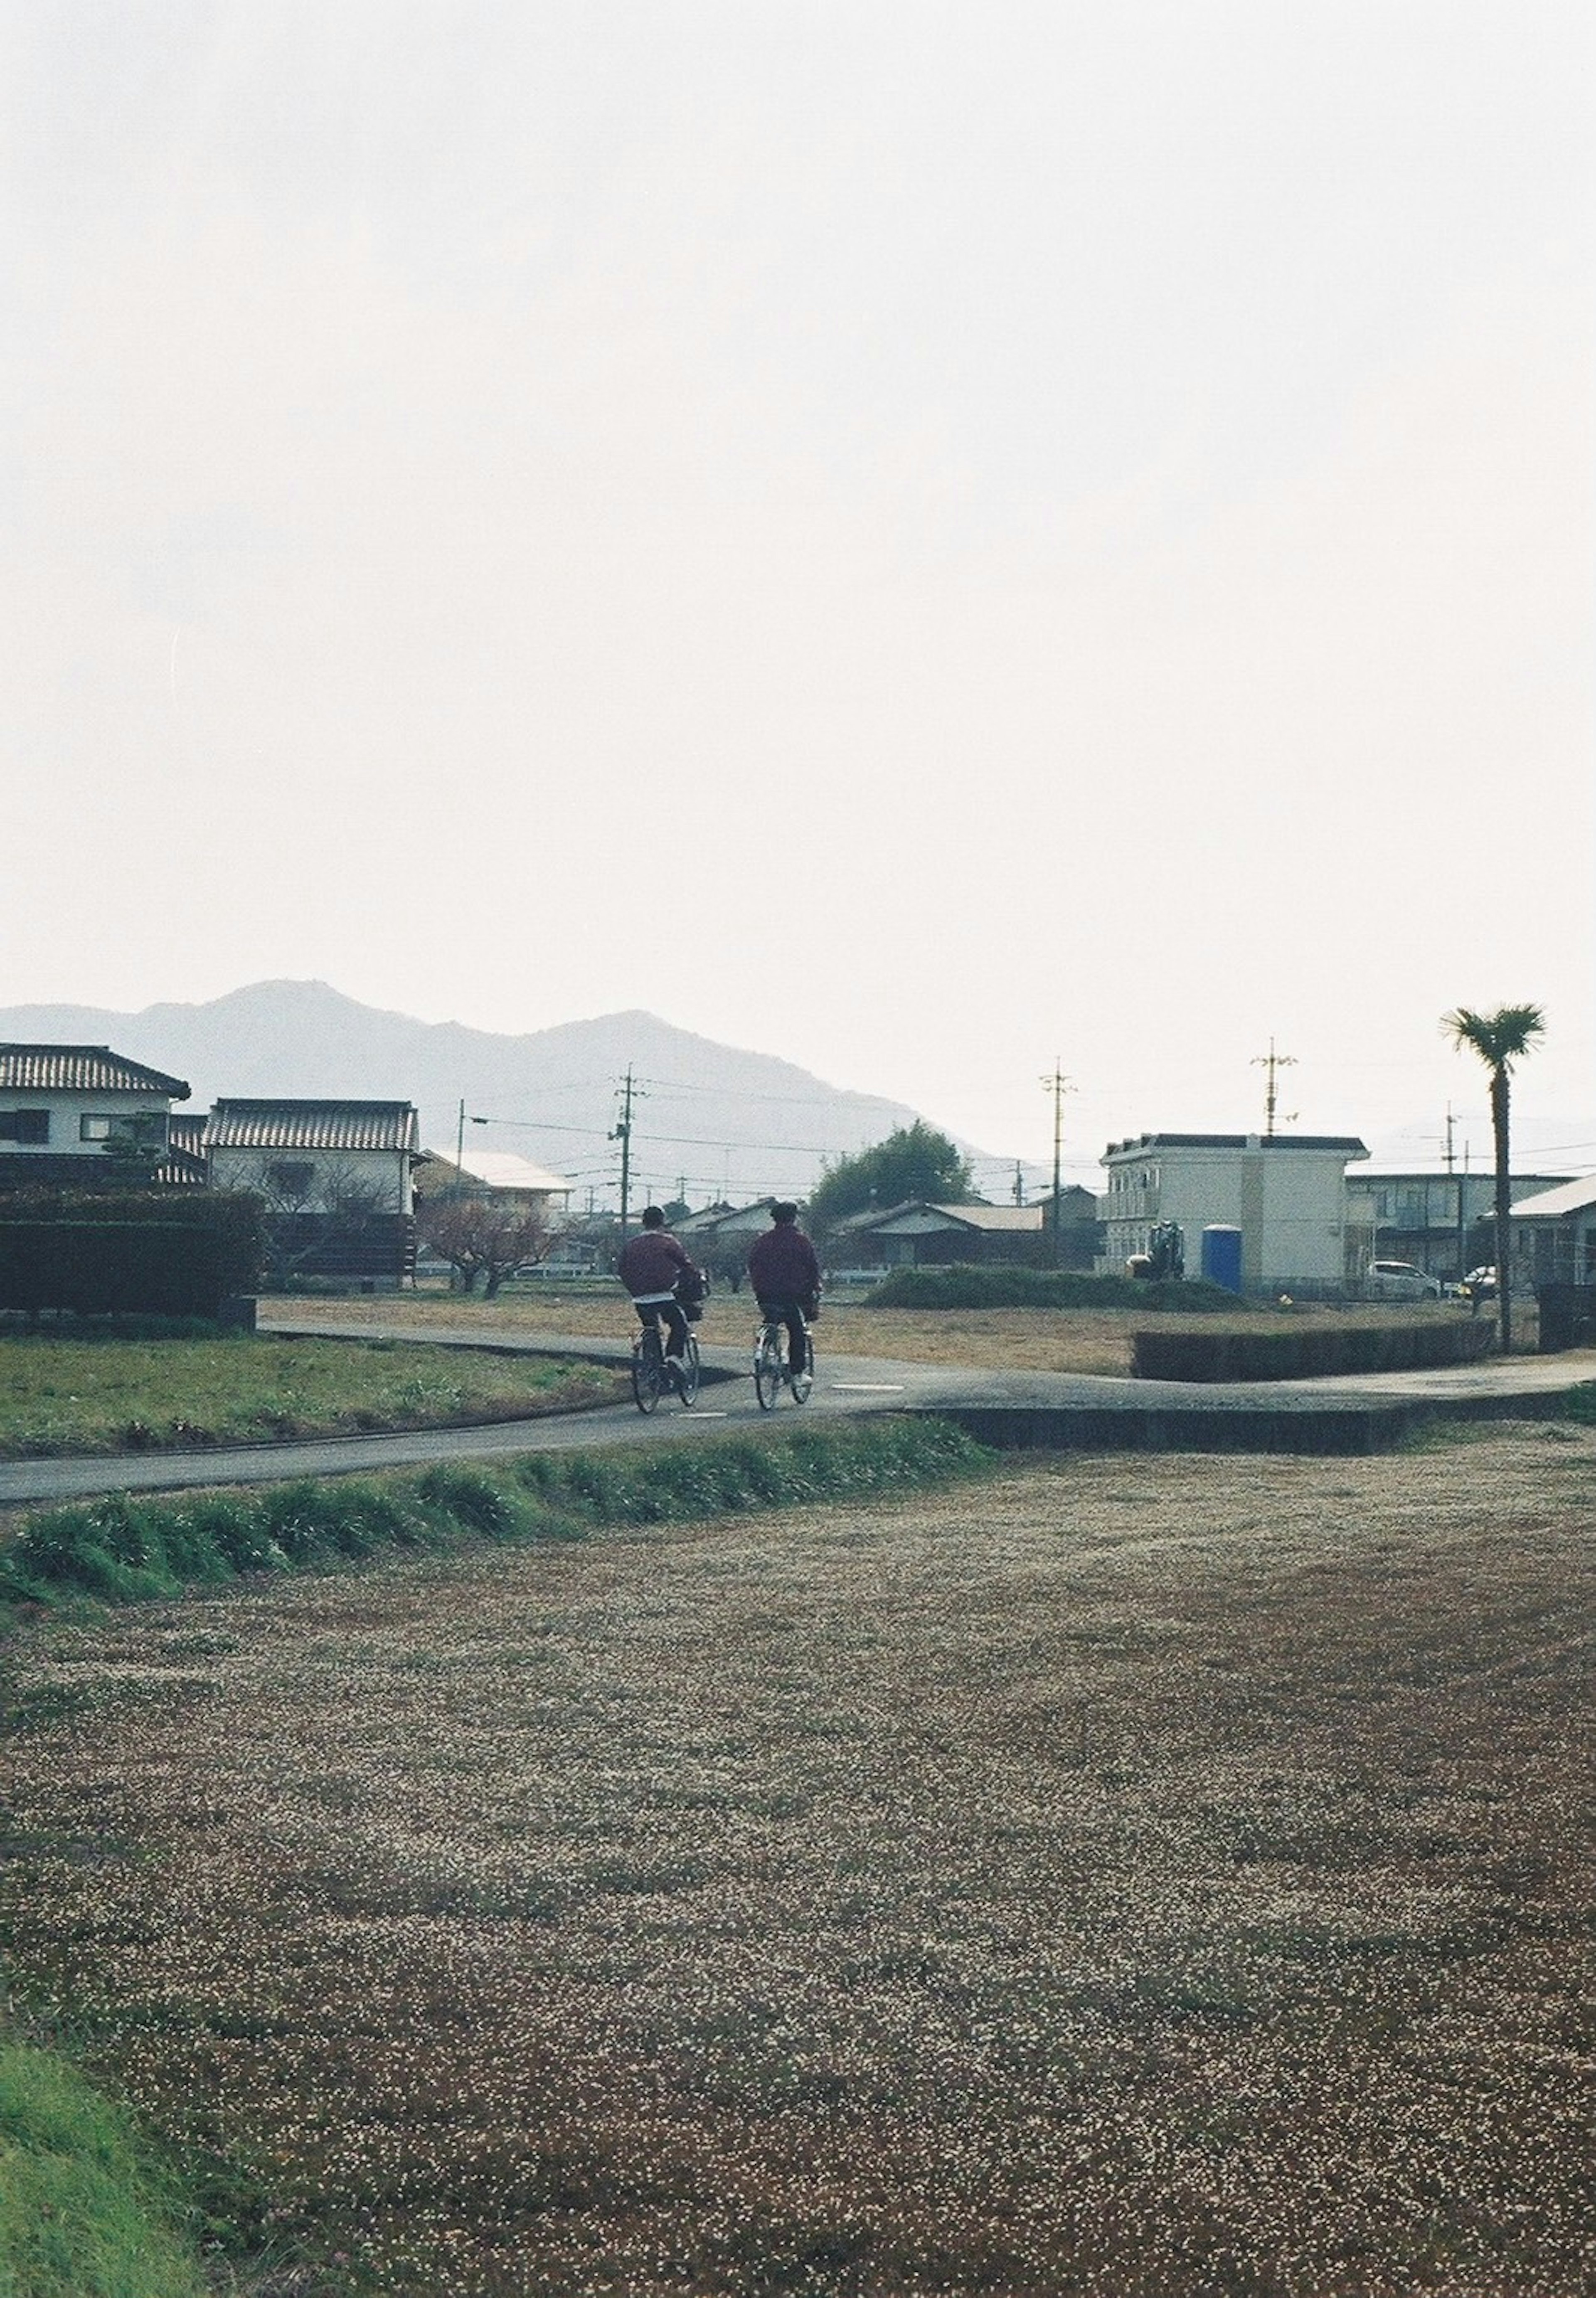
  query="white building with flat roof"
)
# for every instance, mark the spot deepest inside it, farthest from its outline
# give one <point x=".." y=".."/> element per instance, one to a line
<point x="1287" y="1193"/>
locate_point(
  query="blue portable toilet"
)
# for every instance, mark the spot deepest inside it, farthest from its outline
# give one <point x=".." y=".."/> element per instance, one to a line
<point x="1221" y="1257"/>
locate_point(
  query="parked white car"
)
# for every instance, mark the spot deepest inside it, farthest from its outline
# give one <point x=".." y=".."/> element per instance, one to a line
<point x="1400" y="1280"/>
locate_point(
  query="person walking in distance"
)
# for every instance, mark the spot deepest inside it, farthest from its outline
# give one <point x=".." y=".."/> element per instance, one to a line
<point x="784" y="1271"/>
<point x="651" y="1265"/>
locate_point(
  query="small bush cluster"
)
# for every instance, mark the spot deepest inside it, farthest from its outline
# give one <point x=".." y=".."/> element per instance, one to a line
<point x="962" y="1286"/>
<point x="1304" y="1352"/>
<point x="124" y="1551"/>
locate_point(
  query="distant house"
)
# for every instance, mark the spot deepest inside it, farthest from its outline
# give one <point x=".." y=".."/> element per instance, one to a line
<point x="919" y="1233"/>
<point x="336" y="1179"/>
<point x="1442" y="1222"/>
<point x="77" y="1115"/>
<point x="1286" y="1192"/>
<point x="719" y="1238"/>
<point x="1554" y="1234"/>
<point x="501" y="1175"/>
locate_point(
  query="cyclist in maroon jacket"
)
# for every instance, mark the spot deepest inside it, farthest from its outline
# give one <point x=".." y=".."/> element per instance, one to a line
<point x="785" y="1273"/>
<point x="651" y="1265"/>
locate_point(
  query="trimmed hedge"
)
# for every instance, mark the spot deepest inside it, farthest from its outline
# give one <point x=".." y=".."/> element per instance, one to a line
<point x="964" y="1284"/>
<point x="147" y="1253"/>
<point x="123" y="1550"/>
<point x="1302" y="1353"/>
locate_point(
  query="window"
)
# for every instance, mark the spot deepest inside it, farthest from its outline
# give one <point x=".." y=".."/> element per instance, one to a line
<point x="290" y="1179"/>
<point x="29" y="1125"/>
<point x="148" y="1129"/>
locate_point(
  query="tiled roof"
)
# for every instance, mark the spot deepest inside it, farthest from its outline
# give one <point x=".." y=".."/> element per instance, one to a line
<point x="312" y="1125"/>
<point x="81" y="1068"/>
<point x="995" y="1218"/>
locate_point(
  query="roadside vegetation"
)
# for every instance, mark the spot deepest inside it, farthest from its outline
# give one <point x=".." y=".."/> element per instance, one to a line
<point x="1132" y="1877"/>
<point x="121" y="1549"/>
<point x="968" y="1287"/>
<point x="83" y="2213"/>
<point x="163" y="1389"/>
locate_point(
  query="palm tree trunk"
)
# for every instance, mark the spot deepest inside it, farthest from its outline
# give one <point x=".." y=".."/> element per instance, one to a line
<point x="1504" y="1198"/>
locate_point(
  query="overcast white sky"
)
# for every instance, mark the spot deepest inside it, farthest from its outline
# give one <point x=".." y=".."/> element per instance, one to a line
<point x="918" y="538"/>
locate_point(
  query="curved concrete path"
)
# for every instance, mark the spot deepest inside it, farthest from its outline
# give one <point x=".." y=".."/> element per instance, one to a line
<point x="1056" y="1410"/>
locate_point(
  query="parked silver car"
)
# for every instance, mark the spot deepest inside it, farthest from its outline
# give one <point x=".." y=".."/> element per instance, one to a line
<point x="1400" y="1280"/>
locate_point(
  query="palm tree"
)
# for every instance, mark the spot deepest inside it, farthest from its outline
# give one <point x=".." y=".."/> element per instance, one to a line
<point x="1500" y="1039"/>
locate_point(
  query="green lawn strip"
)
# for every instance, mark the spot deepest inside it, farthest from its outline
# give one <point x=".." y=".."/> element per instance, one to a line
<point x="84" y="2212"/>
<point x="182" y="1391"/>
<point x="119" y="1549"/>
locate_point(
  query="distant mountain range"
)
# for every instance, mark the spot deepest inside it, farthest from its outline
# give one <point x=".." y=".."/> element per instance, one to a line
<point x="723" y="1122"/>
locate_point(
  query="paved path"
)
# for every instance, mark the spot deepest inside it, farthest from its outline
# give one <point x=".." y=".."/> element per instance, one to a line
<point x="1347" y="1414"/>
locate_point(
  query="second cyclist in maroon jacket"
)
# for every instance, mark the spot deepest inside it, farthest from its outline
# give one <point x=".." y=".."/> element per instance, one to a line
<point x="784" y="1271"/>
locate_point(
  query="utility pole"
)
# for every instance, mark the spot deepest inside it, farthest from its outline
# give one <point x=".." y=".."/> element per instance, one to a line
<point x="1460" y="1181"/>
<point x="623" y="1134"/>
<point x="460" y="1149"/>
<point x="1058" y="1084"/>
<point x="1270" y="1062"/>
<point x="1019" y="1183"/>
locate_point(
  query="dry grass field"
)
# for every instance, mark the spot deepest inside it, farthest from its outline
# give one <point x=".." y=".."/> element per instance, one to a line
<point x="1021" y="1340"/>
<point x="1142" y="1877"/>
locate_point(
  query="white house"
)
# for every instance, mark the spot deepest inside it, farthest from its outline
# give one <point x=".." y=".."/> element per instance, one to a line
<point x="334" y="1178"/>
<point x="1286" y="1192"/>
<point x="62" y="1107"/>
<point x="1554" y="1234"/>
<point x="495" y="1173"/>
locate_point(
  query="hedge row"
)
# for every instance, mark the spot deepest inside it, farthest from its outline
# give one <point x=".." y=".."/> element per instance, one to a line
<point x="1303" y="1351"/>
<point x="964" y="1285"/>
<point x="123" y="1550"/>
<point x="165" y="1255"/>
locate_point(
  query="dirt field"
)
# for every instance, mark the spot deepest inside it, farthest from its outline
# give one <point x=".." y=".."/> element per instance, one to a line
<point x="1144" y="1877"/>
<point x="1024" y="1340"/>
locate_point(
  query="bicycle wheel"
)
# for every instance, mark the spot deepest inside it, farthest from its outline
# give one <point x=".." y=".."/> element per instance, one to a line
<point x="687" y="1384"/>
<point x="803" y="1382"/>
<point x="769" y="1366"/>
<point x="648" y="1370"/>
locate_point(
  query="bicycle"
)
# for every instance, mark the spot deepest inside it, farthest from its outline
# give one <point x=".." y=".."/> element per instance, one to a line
<point x="770" y="1364"/>
<point x="652" y="1377"/>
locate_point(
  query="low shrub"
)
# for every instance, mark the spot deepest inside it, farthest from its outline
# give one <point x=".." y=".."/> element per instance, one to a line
<point x="1306" y="1352"/>
<point x="962" y="1286"/>
<point x="123" y="1550"/>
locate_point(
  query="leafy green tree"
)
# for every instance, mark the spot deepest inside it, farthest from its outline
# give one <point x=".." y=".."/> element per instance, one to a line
<point x="1500" y="1039"/>
<point x="916" y="1162"/>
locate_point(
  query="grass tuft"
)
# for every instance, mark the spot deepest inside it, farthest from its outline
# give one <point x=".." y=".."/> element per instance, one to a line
<point x="82" y="2212"/>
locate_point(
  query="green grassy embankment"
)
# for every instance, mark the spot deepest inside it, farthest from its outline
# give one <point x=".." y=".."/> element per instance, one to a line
<point x="84" y="2212"/>
<point x="127" y="1550"/>
<point x="177" y="1389"/>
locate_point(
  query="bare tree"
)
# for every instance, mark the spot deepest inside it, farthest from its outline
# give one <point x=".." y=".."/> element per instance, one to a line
<point x="310" y="1213"/>
<point x="481" y="1235"/>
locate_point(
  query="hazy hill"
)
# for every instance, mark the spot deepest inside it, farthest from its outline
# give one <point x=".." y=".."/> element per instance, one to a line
<point x="727" y="1121"/>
